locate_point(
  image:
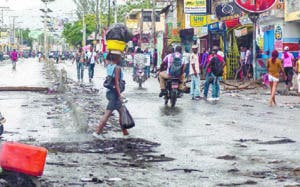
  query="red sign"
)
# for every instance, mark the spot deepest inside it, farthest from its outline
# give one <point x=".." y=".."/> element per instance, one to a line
<point x="255" y="6"/>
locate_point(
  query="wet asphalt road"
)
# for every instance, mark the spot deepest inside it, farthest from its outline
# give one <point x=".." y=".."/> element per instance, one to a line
<point x="194" y="133"/>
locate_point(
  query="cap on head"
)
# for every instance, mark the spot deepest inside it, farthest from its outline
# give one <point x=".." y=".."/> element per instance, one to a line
<point x="286" y="48"/>
<point x="194" y="47"/>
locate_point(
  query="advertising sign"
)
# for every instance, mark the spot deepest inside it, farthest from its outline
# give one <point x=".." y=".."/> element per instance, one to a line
<point x="255" y="6"/>
<point x="278" y="38"/>
<point x="197" y="20"/>
<point x="292" y="10"/>
<point x="194" y="6"/>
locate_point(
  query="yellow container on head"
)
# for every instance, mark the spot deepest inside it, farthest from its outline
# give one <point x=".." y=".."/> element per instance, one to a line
<point x="116" y="45"/>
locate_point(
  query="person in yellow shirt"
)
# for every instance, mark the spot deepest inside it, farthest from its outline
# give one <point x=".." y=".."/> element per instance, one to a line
<point x="274" y="67"/>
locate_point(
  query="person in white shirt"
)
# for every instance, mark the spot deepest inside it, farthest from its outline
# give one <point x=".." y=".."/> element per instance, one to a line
<point x="91" y="57"/>
<point x="195" y="73"/>
<point x="147" y="62"/>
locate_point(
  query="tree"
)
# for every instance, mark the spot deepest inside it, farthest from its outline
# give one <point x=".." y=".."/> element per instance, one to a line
<point x="73" y="31"/>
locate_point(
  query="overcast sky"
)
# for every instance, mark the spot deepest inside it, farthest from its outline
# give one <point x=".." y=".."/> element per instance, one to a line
<point x="28" y="11"/>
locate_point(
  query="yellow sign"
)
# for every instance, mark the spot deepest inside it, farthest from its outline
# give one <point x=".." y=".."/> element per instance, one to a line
<point x="132" y="23"/>
<point x="197" y="20"/>
<point x="212" y="19"/>
<point x="195" y="6"/>
<point x="292" y="10"/>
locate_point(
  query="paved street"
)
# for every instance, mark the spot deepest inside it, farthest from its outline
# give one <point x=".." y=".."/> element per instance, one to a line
<point x="240" y="140"/>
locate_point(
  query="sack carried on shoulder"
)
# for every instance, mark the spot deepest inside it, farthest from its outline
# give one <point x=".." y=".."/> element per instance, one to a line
<point x="127" y="121"/>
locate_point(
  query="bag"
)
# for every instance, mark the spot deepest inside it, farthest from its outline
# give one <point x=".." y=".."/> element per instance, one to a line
<point x="127" y="121"/>
<point x="216" y="67"/>
<point x="109" y="82"/>
<point x="176" y="66"/>
<point x="119" y="32"/>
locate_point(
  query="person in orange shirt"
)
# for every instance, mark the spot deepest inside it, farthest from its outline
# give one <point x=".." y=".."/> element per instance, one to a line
<point x="274" y="67"/>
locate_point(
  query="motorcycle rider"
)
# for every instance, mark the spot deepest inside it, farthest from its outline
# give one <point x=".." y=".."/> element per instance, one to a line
<point x="164" y="71"/>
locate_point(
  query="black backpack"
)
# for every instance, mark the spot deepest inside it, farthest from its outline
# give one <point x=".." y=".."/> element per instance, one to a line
<point x="216" y="67"/>
<point x="176" y="66"/>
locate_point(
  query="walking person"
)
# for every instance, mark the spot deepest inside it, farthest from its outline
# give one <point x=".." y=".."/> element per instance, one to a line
<point x="288" y="60"/>
<point x="91" y="56"/>
<point x="155" y="59"/>
<point x="214" y="70"/>
<point x="274" y="67"/>
<point x="113" y="95"/>
<point x="79" y="57"/>
<point x="14" y="58"/>
<point x="195" y="74"/>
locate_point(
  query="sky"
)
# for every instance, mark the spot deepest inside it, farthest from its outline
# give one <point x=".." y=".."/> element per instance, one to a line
<point x="29" y="14"/>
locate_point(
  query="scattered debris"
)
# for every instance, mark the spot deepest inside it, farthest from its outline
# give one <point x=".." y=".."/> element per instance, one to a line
<point x="185" y="170"/>
<point x="282" y="141"/>
<point x="227" y="157"/>
<point x="24" y="88"/>
<point x="233" y="170"/>
<point x="248" y="182"/>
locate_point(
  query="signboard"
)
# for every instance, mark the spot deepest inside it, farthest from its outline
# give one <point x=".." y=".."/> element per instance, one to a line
<point x="255" y="6"/>
<point x="228" y="11"/>
<point x="132" y="23"/>
<point x="278" y="38"/>
<point x="202" y="31"/>
<point x="213" y="26"/>
<point x="197" y="20"/>
<point x="194" y="6"/>
<point x="292" y="10"/>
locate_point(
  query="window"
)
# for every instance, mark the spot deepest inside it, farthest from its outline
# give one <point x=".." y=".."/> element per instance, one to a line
<point x="132" y="16"/>
<point x="147" y="16"/>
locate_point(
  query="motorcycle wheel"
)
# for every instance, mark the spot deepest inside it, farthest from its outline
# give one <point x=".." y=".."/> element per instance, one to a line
<point x="1" y="129"/>
<point x="140" y="82"/>
<point x="173" y="97"/>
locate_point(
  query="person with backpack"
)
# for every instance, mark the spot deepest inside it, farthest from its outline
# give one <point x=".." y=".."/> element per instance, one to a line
<point x="172" y="66"/>
<point x="14" y="58"/>
<point x="214" y="70"/>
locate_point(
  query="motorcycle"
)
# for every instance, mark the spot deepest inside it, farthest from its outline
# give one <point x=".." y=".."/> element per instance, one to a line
<point x="139" y="76"/>
<point x="172" y="91"/>
<point x="2" y="121"/>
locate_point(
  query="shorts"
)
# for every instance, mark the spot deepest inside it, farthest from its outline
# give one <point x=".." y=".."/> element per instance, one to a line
<point x="113" y="101"/>
<point x="272" y="78"/>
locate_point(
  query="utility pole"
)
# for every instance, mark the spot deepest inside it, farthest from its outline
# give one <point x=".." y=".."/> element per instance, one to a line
<point x="97" y="20"/>
<point x="141" y="27"/>
<point x="108" y="17"/>
<point x="153" y="25"/>
<point x="45" y="11"/>
<point x="83" y="30"/>
<point x="116" y="11"/>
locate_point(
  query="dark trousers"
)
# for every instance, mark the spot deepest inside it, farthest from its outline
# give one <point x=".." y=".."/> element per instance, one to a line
<point x="91" y="70"/>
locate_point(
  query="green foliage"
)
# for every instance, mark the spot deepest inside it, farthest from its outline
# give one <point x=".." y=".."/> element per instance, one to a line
<point x="73" y="31"/>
